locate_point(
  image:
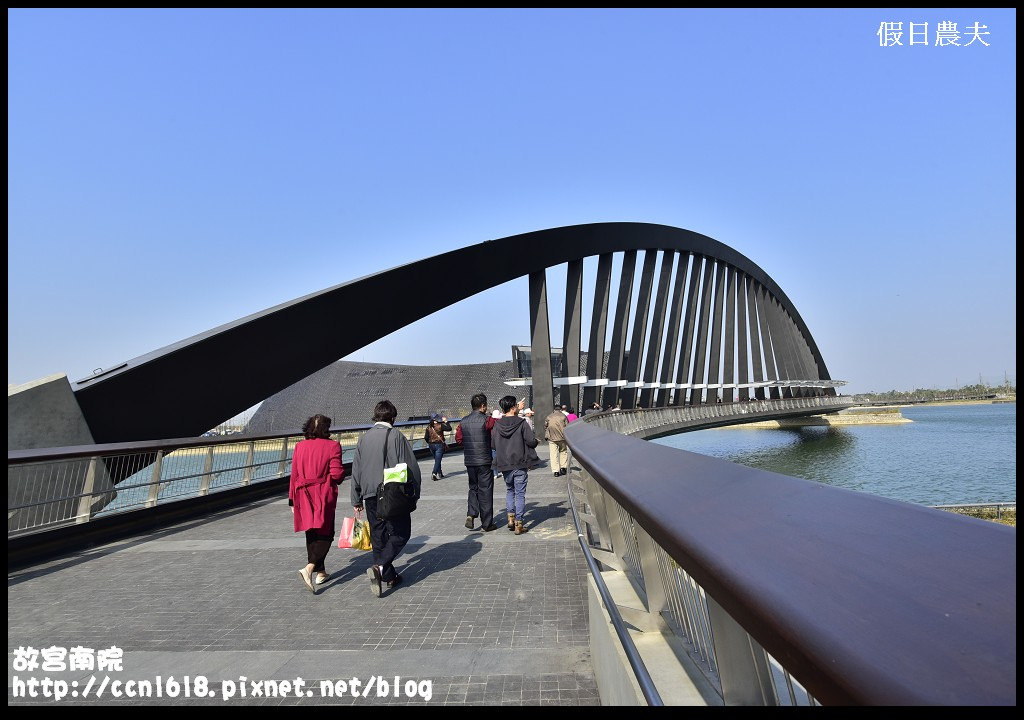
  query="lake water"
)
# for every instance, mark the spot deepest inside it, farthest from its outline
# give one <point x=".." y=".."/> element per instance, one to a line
<point x="956" y="454"/>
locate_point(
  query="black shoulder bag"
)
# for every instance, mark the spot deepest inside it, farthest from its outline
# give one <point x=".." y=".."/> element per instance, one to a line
<point x="394" y="499"/>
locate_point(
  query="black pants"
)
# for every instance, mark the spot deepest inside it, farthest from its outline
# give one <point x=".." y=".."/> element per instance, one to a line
<point x="317" y="546"/>
<point x="388" y="537"/>
<point x="481" y="493"/>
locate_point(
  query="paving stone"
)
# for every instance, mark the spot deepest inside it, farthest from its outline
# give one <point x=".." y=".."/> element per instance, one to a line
<point x="221" y="596"/>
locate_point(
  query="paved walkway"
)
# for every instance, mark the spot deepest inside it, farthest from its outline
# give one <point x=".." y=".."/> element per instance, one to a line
<point x="488" y="619"/>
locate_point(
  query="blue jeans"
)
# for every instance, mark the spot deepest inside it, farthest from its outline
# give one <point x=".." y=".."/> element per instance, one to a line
<point x="515" y="492"/>
<point x="437" y="450"/>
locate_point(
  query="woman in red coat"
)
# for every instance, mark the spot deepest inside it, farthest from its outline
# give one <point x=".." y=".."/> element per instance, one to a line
<point x="313" y="494"/>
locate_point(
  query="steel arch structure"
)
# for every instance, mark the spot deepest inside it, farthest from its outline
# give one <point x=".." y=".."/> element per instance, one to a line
<point x="720" y="324"/>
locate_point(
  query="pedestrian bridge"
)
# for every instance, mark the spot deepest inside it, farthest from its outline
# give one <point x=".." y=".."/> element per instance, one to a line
<point x="649" y="575"/>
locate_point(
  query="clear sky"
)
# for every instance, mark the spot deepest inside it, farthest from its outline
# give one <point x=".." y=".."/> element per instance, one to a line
<point x="170" y="171"/>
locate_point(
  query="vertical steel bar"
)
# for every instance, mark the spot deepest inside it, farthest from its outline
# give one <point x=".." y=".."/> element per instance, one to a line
<point x="572" y="330"/>
<point x="789" y="687"/>
<point x="686" y="347"/>
<point x="755" y="337"/>
<point x="767" y="342"/>
<point x="697" y="375"/>
<point x="742" y="336"/>
<point x="672" y="338"/>
<point x="598" y="329"/>
<point x="661" y="296"/>
<point x="621" y="324"/>
<point x="781" y="346"/>
<point x="716" y="324"/>
<point x="639" y="338"/>
<point x="701" y="621"/>
<point x="728" y="368"/>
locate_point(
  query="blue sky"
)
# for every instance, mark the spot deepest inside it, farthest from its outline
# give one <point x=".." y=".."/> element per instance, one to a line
<point x="170" y="171"/>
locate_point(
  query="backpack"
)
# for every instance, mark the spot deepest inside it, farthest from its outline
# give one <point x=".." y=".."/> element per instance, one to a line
<point x="394" y="499"/>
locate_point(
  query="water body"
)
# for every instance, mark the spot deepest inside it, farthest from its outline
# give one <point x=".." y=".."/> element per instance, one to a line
<point x="948" y="455"/>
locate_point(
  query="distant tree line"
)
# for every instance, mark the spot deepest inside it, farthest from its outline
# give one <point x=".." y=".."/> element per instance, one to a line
<point x="979" y="391"/>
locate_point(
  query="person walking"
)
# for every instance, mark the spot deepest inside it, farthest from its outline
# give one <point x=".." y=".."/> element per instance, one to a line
<point x="532" y="458"/>
<point x="474" y="435"/>
<point x="554" y="430"/>
<point x="313" y="494"/>
<point x="381" y="446"/>
<point x="434" y="437"/>
<point x="512" y="437"/>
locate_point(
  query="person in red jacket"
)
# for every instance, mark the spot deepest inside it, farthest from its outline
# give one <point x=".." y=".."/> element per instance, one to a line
<point x="313" y="494"/>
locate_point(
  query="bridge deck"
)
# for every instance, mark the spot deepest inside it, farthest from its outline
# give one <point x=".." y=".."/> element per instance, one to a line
<point x="488" y="618"/>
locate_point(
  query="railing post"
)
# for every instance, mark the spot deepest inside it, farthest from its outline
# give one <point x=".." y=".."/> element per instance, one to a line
<point x="85" y="502"/>
<point x="154" y="486"/>
<point x="657" y="599"/>
<point x="284" y="457"/>
<point x="616" y="534"/>
<point x="249" y="457"/>
<point x="204" y="486"/>
<point x="595" y="499"/>
<point x="742" y="666"/>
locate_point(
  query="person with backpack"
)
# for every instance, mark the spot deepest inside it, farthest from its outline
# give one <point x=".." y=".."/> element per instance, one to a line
<point x="383" y="447"/>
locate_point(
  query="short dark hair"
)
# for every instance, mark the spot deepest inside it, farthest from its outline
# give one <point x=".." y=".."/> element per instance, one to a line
<point x="478" y="401"/>
<point x="318" y="426"/>
<point x="507" y="403"/>
<point x="385" y="412"/>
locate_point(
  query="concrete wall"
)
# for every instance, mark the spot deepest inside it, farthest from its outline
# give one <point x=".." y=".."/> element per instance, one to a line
<point x="44" y="413"/>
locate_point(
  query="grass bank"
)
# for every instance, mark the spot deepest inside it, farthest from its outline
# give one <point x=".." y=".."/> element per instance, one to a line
<point x="1004" y="516"/>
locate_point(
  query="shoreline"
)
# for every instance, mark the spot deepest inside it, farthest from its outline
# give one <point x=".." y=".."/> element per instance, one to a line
<point x="938" y="403"/>
<point x="858" y="415"/>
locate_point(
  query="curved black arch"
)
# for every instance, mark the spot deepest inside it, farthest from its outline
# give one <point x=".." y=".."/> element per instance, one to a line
<point x="184" y="389"/>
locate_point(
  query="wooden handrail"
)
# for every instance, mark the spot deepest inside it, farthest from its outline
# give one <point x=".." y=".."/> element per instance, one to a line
<point x="864" y="600"/>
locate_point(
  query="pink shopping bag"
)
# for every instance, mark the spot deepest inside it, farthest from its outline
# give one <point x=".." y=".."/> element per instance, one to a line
<point x="347" y="525"/>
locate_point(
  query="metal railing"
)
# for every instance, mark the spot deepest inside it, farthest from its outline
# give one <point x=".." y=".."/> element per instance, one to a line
<point x="56" y="487"/>
<point x="654" y="422"/>
<point x="789" y="592"/>
<point x="643" y="677"/>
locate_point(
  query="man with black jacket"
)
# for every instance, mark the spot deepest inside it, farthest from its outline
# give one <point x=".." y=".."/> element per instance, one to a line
<point x="474" y="435"/>
<point x="512" y="436"/>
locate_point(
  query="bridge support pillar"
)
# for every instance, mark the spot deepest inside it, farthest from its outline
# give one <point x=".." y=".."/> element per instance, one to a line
<point x="540" y="354"/>
<point x="572" y="332"/>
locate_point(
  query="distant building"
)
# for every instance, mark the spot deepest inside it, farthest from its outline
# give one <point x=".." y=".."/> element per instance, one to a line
<point x="348" y="391"/>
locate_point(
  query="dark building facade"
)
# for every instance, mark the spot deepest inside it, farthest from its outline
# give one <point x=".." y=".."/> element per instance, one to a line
<point x="348" y="391"/>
